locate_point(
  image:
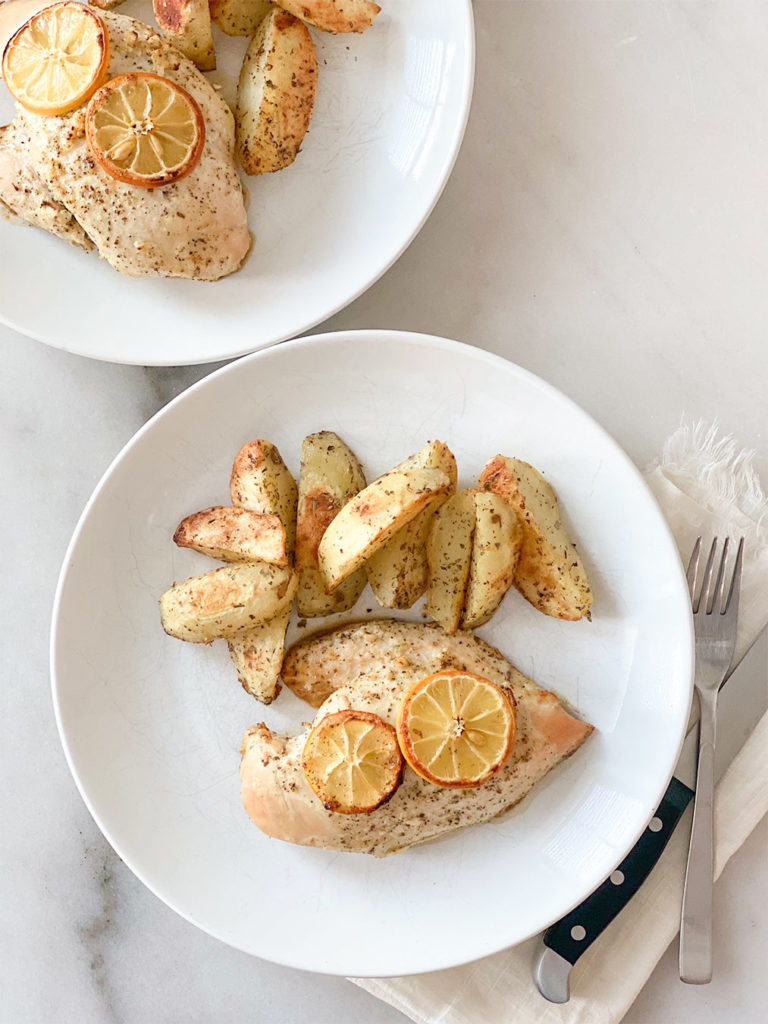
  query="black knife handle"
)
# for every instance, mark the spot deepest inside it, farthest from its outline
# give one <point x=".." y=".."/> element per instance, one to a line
<point x="574" y="933"/>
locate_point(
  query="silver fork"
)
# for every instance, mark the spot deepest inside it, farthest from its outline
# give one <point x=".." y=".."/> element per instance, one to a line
<point x="715" y="613"/>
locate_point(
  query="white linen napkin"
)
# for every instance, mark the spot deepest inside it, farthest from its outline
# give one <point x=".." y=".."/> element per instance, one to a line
<point x="705" y="486"/>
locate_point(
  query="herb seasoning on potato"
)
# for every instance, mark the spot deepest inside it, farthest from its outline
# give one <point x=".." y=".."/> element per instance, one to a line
<point x="330" y="476"/>
<point x="549" y="572"/>
<point x="275" y="94"/>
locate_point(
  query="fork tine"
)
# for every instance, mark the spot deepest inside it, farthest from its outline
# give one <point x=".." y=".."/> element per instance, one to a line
<point x="693" y="568"/>
<point x="716" y="603"/>
<point x="732" y="604"/>
<point x="703" y="603"/>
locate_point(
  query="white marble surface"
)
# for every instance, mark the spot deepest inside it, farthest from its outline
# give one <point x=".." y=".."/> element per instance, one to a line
<point x="605" y="227"/>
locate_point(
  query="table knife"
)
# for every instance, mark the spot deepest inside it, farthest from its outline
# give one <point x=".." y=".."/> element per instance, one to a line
<point x="741" y="705"/>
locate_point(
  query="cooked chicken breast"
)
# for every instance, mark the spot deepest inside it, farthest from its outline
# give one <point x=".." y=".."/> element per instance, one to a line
<point x="195" y="228"/>
<point x="368" y="666"/>
<point x="26" y="198"/>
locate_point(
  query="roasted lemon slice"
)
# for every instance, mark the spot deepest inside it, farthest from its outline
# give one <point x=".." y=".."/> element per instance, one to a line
<point x="456" y="729"/>
<point x="145" y="130"/>
<point x="57" y="59"/>
<point x="352" y="761"/>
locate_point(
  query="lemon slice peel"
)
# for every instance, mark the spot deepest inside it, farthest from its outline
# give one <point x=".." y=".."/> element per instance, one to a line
<point x="57" y="59"/>
<point x="352" y="761"/>
<point x="145" y="130"/>
<point x="456" y="729"/>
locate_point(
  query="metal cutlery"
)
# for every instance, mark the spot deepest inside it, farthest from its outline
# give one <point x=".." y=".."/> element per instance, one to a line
<point x="715" y="613"/>
<point x="742" y="701"/>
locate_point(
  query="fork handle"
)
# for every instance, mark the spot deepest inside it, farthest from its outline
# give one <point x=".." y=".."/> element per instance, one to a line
<point x="696" y="923"/>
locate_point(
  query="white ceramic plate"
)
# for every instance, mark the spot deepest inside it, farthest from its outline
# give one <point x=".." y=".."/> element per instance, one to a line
<point x="390" y="116"/>
<point x="152" y="726"/>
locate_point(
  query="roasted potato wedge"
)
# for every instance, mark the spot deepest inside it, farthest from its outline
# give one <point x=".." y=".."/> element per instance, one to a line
<point x="226" y="602"/>
<point x="334" y="15"/>
<point x="367" y="522"/>
<point x="399" y="571"/>
<point x="495" y="552"/>
<point x="261" y="483"/>
<point x="233" y="535"/>
<point x="275" y="94"/>
<point x="549" y="572"/>
<point x="187" y="24"/>
<point x="435" y="455"/>
<point x="449" y="555"/>
<point x="330" y="476"/>
<point x="239" y="17"/>
<point x="258" y="657"/>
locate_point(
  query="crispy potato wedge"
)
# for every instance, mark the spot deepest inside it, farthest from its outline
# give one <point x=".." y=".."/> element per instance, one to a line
<point x="449" y="555"/>
<point x="226" y="602"/>
<point x="187" y="24"/>
<point x="399" y="571"/>
<point x="258" y="657"/>
<point x="495" y="552"/>
<point x="334" y="15"/>
<point x="275" y="94"/>
<point x="261" y="483"/>
<point x="330" y="476"/>
<point x="239" y="17"/>
<point x="549" y="572"/>
<point x="234" y="535"/>
<point x="367" y="522"/>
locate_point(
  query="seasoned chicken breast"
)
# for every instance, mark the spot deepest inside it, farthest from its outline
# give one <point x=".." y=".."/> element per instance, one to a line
<point x="195" y="228"/>
<point x="26" y="198"/>
<point x="367" y="666"/>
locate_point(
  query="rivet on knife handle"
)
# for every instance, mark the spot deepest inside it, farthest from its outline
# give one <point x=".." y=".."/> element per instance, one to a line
<point x="576" y="932"/>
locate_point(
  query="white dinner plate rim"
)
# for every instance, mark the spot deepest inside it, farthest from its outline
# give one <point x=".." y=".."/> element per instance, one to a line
<point x="301" y="328"/>
<point x="687" y="644"/>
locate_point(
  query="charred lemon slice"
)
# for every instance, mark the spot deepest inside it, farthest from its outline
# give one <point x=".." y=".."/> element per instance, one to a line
<point x="352" y="761"/>
<point x="57" y="59"/>
<point x="456" y="729"/>
<point x="145" y="130"/>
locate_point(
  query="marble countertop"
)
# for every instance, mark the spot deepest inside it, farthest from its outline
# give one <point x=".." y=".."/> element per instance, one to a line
<point x="606" y="228"/>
